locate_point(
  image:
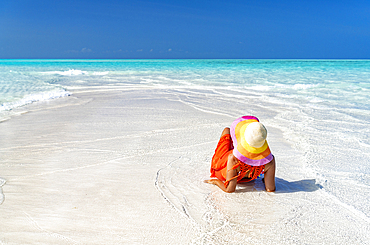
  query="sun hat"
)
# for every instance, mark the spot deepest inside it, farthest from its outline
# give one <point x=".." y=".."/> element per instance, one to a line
<point x="249" y="141"/>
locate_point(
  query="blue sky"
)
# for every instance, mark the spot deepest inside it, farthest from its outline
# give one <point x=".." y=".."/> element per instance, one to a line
<point x="184" y="29"/>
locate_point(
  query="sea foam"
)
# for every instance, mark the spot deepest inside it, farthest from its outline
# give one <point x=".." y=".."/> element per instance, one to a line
<point x="320" y="106"/>
<point x="28" y="99"/>
<point x="71" y="72"/>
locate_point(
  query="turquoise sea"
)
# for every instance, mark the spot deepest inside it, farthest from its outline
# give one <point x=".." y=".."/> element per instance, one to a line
<point x="321" y="106"/>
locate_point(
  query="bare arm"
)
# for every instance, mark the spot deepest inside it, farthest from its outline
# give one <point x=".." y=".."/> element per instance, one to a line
<point x="269" y="178"/>
<point x="231" y="173"/>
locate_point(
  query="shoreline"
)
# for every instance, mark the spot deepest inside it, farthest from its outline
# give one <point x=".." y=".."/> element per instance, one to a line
<point x="116" y="166"/>
<point x="63" y="181"/>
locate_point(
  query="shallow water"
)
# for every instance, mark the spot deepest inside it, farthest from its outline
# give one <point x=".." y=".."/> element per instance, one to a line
<point x="321" y="107"/>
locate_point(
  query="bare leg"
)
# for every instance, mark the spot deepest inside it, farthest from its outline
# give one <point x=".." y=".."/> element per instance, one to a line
<point x="226" y="131"/>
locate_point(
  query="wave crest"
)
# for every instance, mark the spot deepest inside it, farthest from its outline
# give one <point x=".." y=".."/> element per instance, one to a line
<point x="70" y="72"/>
<point x="34" y="98"/>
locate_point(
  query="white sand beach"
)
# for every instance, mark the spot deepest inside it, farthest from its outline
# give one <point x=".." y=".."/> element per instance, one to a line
<point x="126" y="166"/>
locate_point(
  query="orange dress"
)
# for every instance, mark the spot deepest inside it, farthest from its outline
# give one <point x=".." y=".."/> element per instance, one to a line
<point x="219" y="163"/>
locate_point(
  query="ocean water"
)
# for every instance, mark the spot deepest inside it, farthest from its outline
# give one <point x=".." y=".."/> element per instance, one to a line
<point x="321" y="106"/>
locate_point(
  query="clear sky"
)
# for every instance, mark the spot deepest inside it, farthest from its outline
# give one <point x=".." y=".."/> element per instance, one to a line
<point x="184" y="29"/>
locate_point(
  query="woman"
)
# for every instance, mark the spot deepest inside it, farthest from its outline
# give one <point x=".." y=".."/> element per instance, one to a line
<point x="242" y="154"/>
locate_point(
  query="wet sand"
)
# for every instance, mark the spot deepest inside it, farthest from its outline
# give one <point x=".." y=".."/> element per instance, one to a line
<point x="126" y="166"/>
